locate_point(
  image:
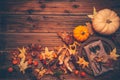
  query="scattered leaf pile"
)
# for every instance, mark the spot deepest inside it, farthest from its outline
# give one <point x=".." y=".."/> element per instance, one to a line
<point x="61" y="60"/>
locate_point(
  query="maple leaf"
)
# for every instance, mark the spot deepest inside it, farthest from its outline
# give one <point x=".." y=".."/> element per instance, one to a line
<point x="82" y="62"/>
<point x="22" y="52"/>
<point x="23" y="65"/>
<point x="113" y="54"/>
<point x="41" y="72"/>
<point x="48" y="54"/>
<point x="43" y="56"/>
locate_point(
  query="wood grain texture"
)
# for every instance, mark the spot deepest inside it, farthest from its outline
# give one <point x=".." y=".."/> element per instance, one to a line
<point x="28" y="21"/>
<point x="15" y="40"/>
<point x="41" y="23"/>
<point x="55" y="7"/>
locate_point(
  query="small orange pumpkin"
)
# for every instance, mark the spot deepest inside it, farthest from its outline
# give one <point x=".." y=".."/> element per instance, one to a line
<point x="81" y="33"/>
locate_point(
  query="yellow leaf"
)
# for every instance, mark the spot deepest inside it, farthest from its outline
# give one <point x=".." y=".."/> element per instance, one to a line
<point x="22" y="52"/>
<point x="113" y="54"/>
<point x="48" y="54"/>
<point x="23" y="65"/>
<point x="94" y="13"/>
<point x="82" y="62"/>
<point x="41" y="72"/>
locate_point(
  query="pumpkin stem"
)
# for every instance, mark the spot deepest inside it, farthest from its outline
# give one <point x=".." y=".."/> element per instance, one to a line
<point x="82" y="33"/>
<point x="108" y="21"/>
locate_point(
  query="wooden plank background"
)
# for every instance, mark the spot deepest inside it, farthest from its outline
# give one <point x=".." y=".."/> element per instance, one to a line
<point x="23" y="22"/>
<point x="37" y="21"/>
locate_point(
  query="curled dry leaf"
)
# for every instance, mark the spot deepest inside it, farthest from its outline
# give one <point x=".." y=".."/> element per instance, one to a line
<point x="62" y="56"/>
<point x="66" y="37"/>
<point x="90" y="29"/>
<point x="66" y="62"/>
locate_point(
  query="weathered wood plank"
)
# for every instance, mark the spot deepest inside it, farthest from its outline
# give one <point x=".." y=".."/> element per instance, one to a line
<point x="15" y="40"/>
<point x="56" y="7"/>
<point x="41" y="23"/>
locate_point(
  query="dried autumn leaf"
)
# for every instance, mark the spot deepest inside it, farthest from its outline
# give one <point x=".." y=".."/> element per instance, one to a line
<point x="62" y="56"/>
<point x="22" y="52"/>
<point x="114" y="55"/>
<point x="40" y="72"/>
<point x="90" y="29"/>
<point x="66" y="37"/>
<point x="48" y="54"/>
<point x="94" y="13"/>
<point x="23" y="65"/>
<point x="82" y="62"/>
<point x="66" y="62"/>
<point x="73" y="48"/>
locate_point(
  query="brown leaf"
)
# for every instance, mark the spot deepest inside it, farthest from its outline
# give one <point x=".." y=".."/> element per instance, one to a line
<point x="90" y="28"/>
<point x="66" y="37"/>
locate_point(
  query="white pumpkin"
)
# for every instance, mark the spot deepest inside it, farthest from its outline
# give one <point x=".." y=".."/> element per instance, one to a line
<point x="106" y="22"/>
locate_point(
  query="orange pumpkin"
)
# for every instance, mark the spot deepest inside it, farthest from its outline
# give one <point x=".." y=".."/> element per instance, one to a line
<point x="81" y="33"/>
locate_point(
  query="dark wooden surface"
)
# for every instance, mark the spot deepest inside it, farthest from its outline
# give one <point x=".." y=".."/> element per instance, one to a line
<point x="37" y="21"/>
